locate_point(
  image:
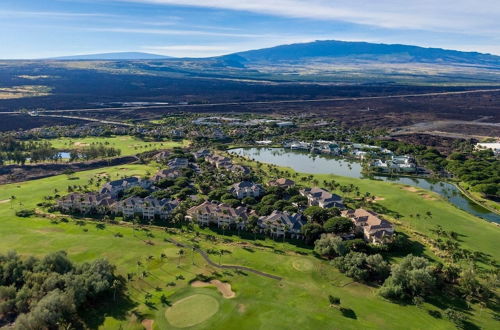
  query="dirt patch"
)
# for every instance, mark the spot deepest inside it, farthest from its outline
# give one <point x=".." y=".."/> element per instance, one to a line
<point x="428" y="197"/>
<point x="242" y="308"/>
<point x="148" y="324"/>
<point x="49" y="230"/>
<point x="80" y="144"/>
<point x="410" y="189"/>
<point x="5" y="201"/>
<point x="224" y="288"/>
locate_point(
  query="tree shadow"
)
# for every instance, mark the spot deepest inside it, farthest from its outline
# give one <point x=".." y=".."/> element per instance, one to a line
<point x="467" y="325"/>
<point x="349" y="313"/>
<point x="381" y="209"/>
<point x="118" y="309"/>
<point x="404" y="247"/>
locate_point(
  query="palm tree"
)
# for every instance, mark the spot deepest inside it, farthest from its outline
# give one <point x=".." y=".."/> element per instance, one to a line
<point x="139" y="263"/>
<point x="255" y="230"/>
<point x="115" y="286"/>
<point x="12" y="198"/>
<point x="180" y="253"/>
<point x="238" y="221"/>
<point x="285" y="230"/>
<point x="220" y="252"/>
<point x="224" y="227"/>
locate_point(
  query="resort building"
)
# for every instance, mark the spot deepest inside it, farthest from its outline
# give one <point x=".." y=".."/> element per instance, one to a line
<point x="220" y="214"/>
<point x="322" y="198"/>
<point x="246" y="189"/>
<point x="115" y="187"/>
<point x="85" y="203"/>
<point x="282" y="183"/>
<point x="281" y="223"/>
<point x="178" y="163"/>
<point x="375" y="229"/>
<point x="167" y="174"/>
<point x="147" y="208"/>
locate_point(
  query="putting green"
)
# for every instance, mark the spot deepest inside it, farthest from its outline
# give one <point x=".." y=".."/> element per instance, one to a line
<point x="192" y="310"/>
<point x="302" y="265"/>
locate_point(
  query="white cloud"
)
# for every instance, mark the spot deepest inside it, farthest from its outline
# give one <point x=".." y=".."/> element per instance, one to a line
<point x="178" y="32"/>
<point x="50" y="14"/>
<point x="191" y="50"/>
<point x="466" y="16"/>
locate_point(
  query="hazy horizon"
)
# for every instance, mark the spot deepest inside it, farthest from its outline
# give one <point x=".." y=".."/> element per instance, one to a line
<point x="194" y="28"/>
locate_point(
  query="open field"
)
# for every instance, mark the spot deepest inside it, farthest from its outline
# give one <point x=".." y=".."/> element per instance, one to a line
<point x="129" y="145"/>
<point x="300" y="300"/>
<point x="19" y="92"/>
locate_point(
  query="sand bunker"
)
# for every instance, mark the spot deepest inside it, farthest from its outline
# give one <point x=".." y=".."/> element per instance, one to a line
<point x="428" y="197"/>
<point x="224" y="288"/>
<point x="148" y="324"/>
<point x="410" y="189"/>
<point x="81" y="144"/>
<point x="5" y="201"/>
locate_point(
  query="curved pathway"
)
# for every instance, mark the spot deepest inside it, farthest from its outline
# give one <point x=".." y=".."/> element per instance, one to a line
<point x="211" y="263"/>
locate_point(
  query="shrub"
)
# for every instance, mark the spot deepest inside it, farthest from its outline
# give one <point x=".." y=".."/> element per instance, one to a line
<point x="334" y="300"/>
<point x="338" y="225"/>
<point x="25" y="213"/>
<point x="458" y="318"/>
<point x="330" y="245"/>
<point x="412" y="277"/>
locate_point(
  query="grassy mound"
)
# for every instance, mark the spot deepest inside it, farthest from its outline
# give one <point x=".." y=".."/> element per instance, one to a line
<point x="192" y="310"/>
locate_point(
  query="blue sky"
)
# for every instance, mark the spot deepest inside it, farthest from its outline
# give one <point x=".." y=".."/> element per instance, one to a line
<point x="198" y="28"/>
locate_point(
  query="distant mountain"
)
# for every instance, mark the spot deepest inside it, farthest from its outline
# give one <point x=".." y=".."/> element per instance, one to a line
<point x="332" y="50"/>
<point x="115" y="56"/>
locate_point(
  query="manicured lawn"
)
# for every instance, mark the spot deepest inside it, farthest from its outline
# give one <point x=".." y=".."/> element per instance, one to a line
<point x="299" y="301"/>
<point x="129" y="145"/>
<point x="192" y="310"/>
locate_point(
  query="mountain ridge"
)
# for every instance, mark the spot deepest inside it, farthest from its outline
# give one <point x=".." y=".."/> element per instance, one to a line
<point x="114" y="56"/>
<point x="362" y="51"/>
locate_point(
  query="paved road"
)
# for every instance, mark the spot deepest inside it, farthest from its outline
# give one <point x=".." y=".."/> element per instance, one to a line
<point x="271" y="102"/>
<point x="119" y="123"/>
<point x="211" y="263"/>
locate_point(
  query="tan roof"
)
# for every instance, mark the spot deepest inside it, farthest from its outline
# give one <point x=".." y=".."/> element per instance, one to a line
<point x="281" y="182"/>
<point x="367" y="218"/>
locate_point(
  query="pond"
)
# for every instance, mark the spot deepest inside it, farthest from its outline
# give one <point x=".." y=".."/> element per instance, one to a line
<point x="63" y="155"/>
<point x="320" y="164"/>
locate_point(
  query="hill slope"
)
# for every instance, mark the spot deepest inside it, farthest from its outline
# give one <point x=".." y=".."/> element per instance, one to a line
<point x="115" y="56"/>
<point x="363" y="51"/>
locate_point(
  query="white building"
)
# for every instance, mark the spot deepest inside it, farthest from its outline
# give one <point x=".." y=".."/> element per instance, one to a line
<point x="246" y="189"/>
<point x="219" y="214"/>
<point x="115" y="187"/>
<point x="322" y="198"/>
<point x="281" y="223"/>
<point x="495" y="147"/>
<point x="147" y="208"/>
